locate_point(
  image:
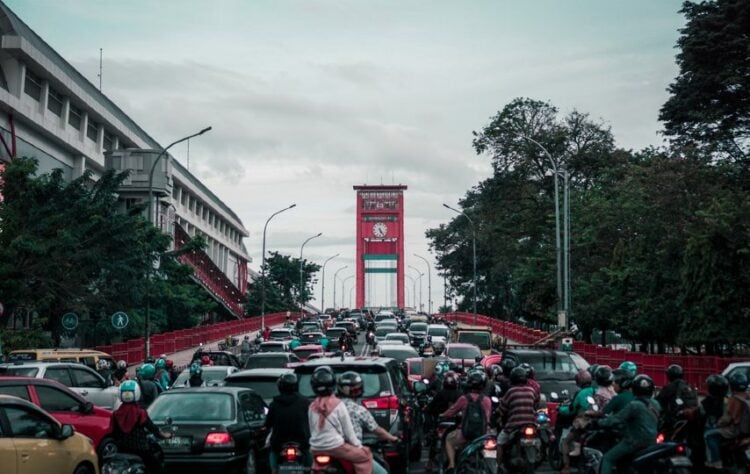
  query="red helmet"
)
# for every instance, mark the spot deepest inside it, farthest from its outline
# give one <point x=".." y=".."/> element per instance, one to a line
<point x="170" y="363"/>
<point x="205" y="360"/>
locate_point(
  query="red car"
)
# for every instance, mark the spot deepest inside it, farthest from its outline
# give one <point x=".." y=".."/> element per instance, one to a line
<point x="68" y="407"/>
<point x="304" y="352"/>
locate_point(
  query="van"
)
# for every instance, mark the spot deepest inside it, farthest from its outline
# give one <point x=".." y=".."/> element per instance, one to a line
<point x="86" y="357"/>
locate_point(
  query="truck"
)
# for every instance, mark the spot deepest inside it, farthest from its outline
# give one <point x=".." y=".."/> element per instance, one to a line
<point x="480" y="336"/>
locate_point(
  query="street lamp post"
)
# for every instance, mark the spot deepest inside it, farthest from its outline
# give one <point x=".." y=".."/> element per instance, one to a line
<point x="429" y="283"/>
<point x="301" y="283"/>
<point x="334" y="284"/>
<point x="419" y="277"/>
<point x="350" y="295"/>
<point x="147" y="323"/>
<point x="413" y="290"/>
<point x="263" y="268"/>
<point x="323" y="285"/>
<point x="343" y="282"/>
<point x="474" y="255"/>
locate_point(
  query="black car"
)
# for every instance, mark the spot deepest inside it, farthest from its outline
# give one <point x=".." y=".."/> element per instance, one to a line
<point x="417" y="333"/>
<point x="261" y="381"/>
<point x="385" y="394"/>
<point x="350" y="326"/>
<point x="333" y="335"/>
<point x="554" y="370"/>
<point x="270" y="360"/>
<point x="215" y="429"/>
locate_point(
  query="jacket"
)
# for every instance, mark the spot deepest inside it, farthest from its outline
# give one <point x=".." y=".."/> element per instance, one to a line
<point x="580" y="403"/>
<point x="284" y="419"/>
<point x="637" y="422"/>
<point x="619" y="402"/>
<point x="335" y="431"/>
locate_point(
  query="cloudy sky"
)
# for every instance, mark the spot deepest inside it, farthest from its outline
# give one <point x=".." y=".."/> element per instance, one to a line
<point x="308" y="97"/>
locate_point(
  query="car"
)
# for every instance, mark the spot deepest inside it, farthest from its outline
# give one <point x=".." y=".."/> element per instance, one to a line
<point x="350" y="326"/>
<point x="218" y="357"/>
<point x="382" y="331"/>
<point x="311" y="338"/>
<point x="333" y="335"/>
<point x="480" y="337"/>
<point x="463" y="354"/>
<point x="32" y="441"/>
<point x="87" y="357"/>
<point x="79" y="378"/>
<point x="439" y="332"/>
<point x="326" y="320"/>
<point x="215" y="429"/>
<point x="358" y="316"/>
<point x="417" y="333"/>
<point x="737" y="367"/>
<point x="274" y="346"/>
<point x="397" y="336"/>
<point x="271" y="360"/>
<point x="384" y="315"/>
<point x="67" y="407"/>
<point x="554" y="370"/>
<point x="281" y="334"/>
<point x="310" y="326"/>
<point x="213" y="375"/>
<point x="304" y="352"/>
<point x="261" y="381"/>
<point x="385" y="394"/>
<point x="399" y="352"/>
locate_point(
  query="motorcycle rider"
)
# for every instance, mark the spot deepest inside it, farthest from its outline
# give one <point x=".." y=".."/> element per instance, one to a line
<point x="622" y="381"/>
<point x="516" y="410"/>
<point x="131" y="426"/>
<point x="103" y="368"/>
<point x="630" y="368"/>
<point x="604" y="389"/>
<point x="507" y="365"/>
<point x="172" y="371"/>
<point x="476" y="380"/>
<point x="637" y="421"/>
<point x="438" y="349"/>
<point x="245" y="347"/>
<point x="732" y="424"/>
<point x="576" y="411"/>
<point x="331" y="429"/>
<point x="443" y="399"/>
<point x="149" y="388"/>
<point x="196" y="375"/>
<point x="121" y="373"/>
<point x="667" y="397"/>
<point x="350" y="387"/>
<point x="283" y="419"/>
<point x="162" y="375"/>
<point x="531" y="380"/>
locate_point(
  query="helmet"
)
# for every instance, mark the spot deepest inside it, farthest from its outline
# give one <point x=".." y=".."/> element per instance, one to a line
<point x="121" y="364"/>
<point x="643" y="386"/>
<point x="350" y="385"/>
<point x="529" y="370"/>
<point x="247" y="338"/>
<point x="630" y="367"/>
<point x="130" y="392"/>
<point x="518" y="376"/>
<point x="583" y="378"/>
<point x="592" y="369"/>
<point x="170" y="363"/>
<point x="323" y="381"/>
<point x="147" y="372"/>
<point x="160" y="363"/>
<point x="674" y="372"/>
<point x="450" y="380"/>
<point x="205" y="360"/>
<point x="442" y="367"/>
<point x="288" y="383"/>
<point x="476" y="379"/>
<point x="718" y="385"/>
<point x="507" y="365"/>
<point x="438" y="348"/>
<point x="102" y="364"/>
<point x="622" y="378"/>
<point x="738" y="382"/>
<point x="603" y="376"/>
<point x="495" y="370"/>
<point x="196" y="370"/>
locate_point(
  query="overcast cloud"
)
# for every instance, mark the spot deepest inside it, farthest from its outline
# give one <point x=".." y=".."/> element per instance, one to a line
<point x="308" y="97"/>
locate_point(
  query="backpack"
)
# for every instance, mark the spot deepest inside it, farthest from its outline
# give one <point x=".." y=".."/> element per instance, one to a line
<point x="474" y="423"/>
<point x="688" y="396"/>
<point x="745" y="419"/>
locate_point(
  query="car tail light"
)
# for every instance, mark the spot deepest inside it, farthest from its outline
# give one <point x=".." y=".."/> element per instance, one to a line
<point x="529" y="431"/>
<point x="382" y="403"/>
<point x="490" y="444"/>
<point x="322" y="459"/>
<point x="291" y="454"/>
<point x="219" y="440"/>
<point x="681" y="449"/>
<point x="660" y="438"/>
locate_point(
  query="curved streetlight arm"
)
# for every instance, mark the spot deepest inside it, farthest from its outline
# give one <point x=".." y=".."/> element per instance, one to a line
<point x="335" y="275"/>
<point x="263" y="266"/>
<point x="429" y="283"/>
<point x="301" y="267"/>
<point x="323" y="283"/>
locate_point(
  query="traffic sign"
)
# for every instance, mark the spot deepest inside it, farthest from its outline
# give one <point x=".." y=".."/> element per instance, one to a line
<point x="120" y="320"/>
<point x="70" y="321"/>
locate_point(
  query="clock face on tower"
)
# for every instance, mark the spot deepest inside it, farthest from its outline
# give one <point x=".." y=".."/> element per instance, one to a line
<point x="379" y="229"/>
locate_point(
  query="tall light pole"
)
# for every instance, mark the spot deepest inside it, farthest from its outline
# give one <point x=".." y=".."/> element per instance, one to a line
<point x="419" y="277"/>
<point x="147" y="323"/>
<point x="413" y="290"/>
<point x="334" y="284"/>
<point x="429" y="283"/>
<point x="263" y="267"/>
<point x="474" y="255"/>
<point x="301" y="283"/>
<point x="350" y="295"/>
<point x="323" y="286"/>
<point x="343" y="282"/>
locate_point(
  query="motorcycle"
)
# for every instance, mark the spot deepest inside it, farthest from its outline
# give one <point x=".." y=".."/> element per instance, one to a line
<point x="120" y="463"/>
<point x="326" y="463"/>
<point x="523" y="452"/>
<point x="370" y="339"/>
<point x="292" y="458"/>
<point x="479" y="456"/>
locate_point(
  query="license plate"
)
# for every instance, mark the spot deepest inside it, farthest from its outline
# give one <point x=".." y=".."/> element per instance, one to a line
<point x="680" y="461"/>
<point x="490" y="454"/>
<point x="530" y="442"/>
<point x="176" y="442"/>
<point x="293" y="468"/>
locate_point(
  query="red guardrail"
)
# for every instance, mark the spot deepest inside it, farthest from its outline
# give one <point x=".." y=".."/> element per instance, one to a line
<point x="697" y="368"/>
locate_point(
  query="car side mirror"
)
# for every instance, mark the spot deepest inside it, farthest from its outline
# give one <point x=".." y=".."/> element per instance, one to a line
<point x="66" y="431"/>
<point x="87" y="408"/>
<point x="420" y="387"/>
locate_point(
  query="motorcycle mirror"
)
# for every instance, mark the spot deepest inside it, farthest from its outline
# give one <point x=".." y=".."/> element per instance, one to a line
<point x="426" y="381"/>
<point x="553" y="396"/>
<point x="679" y="402"/>
<point x="495" y="400"/>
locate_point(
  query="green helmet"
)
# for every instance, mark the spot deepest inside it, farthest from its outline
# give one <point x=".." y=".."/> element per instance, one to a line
<point x="161" y="364"/>
<point x="147" y="372"/>
<point x="442" y="367"/>
<point x="630" y="368"/>
<point x="196" y="369"/>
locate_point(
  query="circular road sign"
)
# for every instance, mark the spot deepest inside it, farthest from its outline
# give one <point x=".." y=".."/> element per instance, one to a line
<point x="70" y="321"/>
<point x="120" y="320"/>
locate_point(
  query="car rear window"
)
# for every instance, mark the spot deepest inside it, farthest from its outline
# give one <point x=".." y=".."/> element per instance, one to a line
<point x="440" y="332"/>
<point x="279" y="333"/>
<point x="421" y="327"/>
<point x="272" y="348"/>
<point x="20" y="371"/>
<point x="548" y="363"/>
<point x="416" y="367"/>
<point x="193" y="407"/>
<point x="210" y="377"/>
<point x="335" y="332"/>
<point x="479" y="339"/>
<point x="464" y="352"/>
<point x="383" y="331"/>
<point x="263" y="386"/>
<point x="397" y="337"/>
<point x="375" y="378"/>
<point x="305" y="353"/>
<point x="399" y="353"/>
<point x="269" y="362"/>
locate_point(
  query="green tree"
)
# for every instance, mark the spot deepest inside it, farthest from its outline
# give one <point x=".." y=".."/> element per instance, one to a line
<point x="283" y="292"/>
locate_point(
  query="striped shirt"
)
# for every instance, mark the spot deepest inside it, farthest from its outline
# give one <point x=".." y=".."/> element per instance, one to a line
<point x="517" y="407"/>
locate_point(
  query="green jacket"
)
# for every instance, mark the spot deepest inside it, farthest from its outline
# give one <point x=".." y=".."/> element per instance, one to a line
<point x="637" y="422"/>
<point x="619" y="402"/>
<point x="580" y="403"/>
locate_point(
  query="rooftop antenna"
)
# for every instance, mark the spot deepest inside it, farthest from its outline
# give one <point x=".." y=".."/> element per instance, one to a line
<point x="100" y="69"/>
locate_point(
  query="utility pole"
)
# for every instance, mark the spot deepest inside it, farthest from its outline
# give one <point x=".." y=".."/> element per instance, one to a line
<point x="429" y="283"/>
<point x="323" y="284"/>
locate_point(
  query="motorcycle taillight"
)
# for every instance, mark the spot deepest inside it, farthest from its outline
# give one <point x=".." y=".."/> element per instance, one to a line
<point x="322" y="459"/>
<point x="660" y="438"/>
<point x="490" y="444"/>
<point x="529" y="431"/>
<point x="290" y="454"/>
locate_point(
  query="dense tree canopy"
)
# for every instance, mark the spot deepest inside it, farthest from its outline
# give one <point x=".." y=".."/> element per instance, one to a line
<point x="282" y="285"/>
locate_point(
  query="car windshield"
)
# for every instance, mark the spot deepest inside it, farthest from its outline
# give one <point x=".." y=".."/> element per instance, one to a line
<point x="479" y="339"/>
<point x="420" y="327"/>
<point x="438" y="331"/>
<point x="192" y="407"/>
<point x="263" y="386"/>
<point x="210" y="377"/>
<point x="375" y="379"/>
<point x="397" y="337"/>
<point x="310" y="327"/>
<point x="335" y="332"/>
<point x="269" y="362"/>
<point x="383" y="331"/>
<point x="280" y="333"/>
<point x="20" y="371"/>
<point x="272" y="348"/>
<point x="464" y="352"/>
<point x="400" y="353"/>
<point x="305" y="353"/>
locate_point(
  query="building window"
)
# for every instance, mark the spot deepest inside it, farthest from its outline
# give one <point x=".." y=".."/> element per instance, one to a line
<point x="109" y="140"/>
<point x="54" y="102"/>
<point x="175" y="190"/>
<point x="75" y="117"/>
<point x="184" y="199"/>
<point x="92" y="130"/>
<point x="33" y="85"/>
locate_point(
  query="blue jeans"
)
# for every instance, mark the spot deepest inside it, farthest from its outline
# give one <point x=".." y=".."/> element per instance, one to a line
<point x="377" y="468"/>
<point x="619" y="451"/>
<point x="713" y="440"/>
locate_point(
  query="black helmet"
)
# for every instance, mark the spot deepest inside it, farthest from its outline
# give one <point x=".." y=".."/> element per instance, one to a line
<point x="507" y="365"/>
<point x="518" y="376"/>
<point x="583" y="378"/>
<point x="718" y="385"/>
<point x="350" y="385"/>
<point x="529" y="370"/>
<point x="622" y="378"/>
<point x="738" y="382"/>
<point x="592" y="369"/>
<point x="323" y="381"/>
<point x="288" y="383"/>
<point x="603" y="376"/>
<point x="476" y="379"/>
<point x="450" y="380"/>
<point x="674" y="372"/>
<point x="643" y="386"/>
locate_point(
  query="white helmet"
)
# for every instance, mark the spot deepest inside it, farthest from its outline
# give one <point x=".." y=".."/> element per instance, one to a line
<point x="130" y="391"/>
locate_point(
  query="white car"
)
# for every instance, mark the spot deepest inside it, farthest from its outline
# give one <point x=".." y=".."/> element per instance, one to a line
<point x="734" y="367"/>
<point x="397" y="336"/>
<point x="76" y="377"/>
<point x="213" y="376"/>
<point x="439" y="332"/>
